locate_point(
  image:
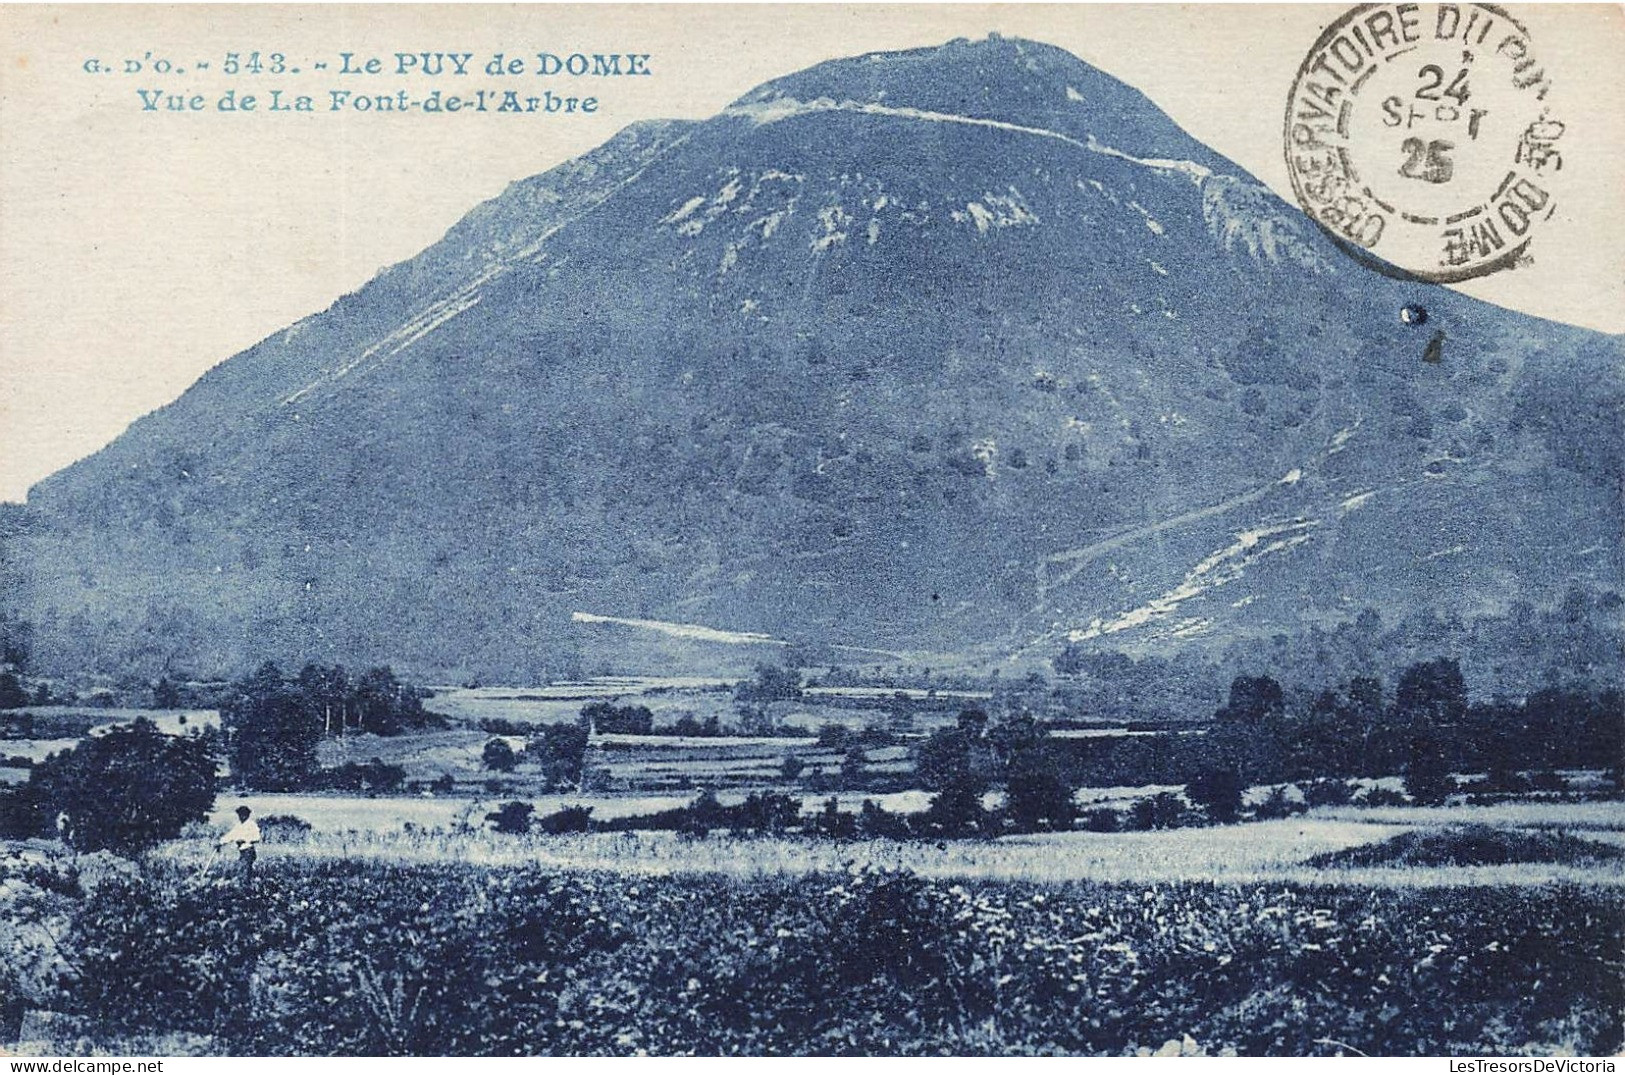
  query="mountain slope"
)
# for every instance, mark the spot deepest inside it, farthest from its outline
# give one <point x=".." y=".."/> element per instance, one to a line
<point x="962" y="350"/>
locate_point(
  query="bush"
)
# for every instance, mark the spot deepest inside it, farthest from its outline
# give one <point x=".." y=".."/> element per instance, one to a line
<point x="876" y="822"/>
<point x="1164" y="810"/>
<point x="608" y="718"/>
<point x="1427" y="773"/>
<point x="512" y="818"/>
<point x="127" y="789"/>
<point x="1328" y="793"/>
<point x="764" y="811"/>
<point x="830" y="823"/>
<point x="341" y="959"/>
<point x="371" y="776"/>
<point x="1548" y="780"/>
<point x="1474" y="845"/>
<point x="1279" y="804"/>
<point x="772" y="684"/>
<point x="835" y="737"/>
<point x="566" y="819"/>
<point x="702" y="815"/>
<point x="1376" y="795"/>
<point x="1100" y="819"/>
<point x="12" y="695"/>
<point x="503" y="726"/>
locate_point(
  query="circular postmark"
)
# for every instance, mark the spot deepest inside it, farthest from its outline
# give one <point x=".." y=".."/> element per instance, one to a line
<point x="1419" y="137"/>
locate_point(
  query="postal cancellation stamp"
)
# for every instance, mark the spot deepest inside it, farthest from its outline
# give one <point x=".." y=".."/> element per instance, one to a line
<point x="1420" y="138"/>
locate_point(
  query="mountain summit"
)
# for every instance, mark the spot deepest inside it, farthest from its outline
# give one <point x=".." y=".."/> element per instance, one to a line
<point x="964" y="350"/>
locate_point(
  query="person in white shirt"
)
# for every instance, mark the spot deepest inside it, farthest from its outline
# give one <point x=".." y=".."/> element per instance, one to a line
<point x="246" y="835"/>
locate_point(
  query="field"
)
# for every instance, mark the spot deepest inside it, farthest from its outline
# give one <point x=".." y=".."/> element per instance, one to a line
<point x="353" y="957"/>
<point x="439" y="831"/>
<point x="403" y="924"/>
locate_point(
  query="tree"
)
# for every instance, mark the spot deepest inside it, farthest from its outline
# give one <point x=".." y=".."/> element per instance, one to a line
<point x="1432" y="694"/>
<point x="386" y="705"/>
<point x="1038" y="797"/>
<point x="962" y="754"/>
<point x="772" y="684"/>
<point x="956" y="810"/>
<point x="792" y="767"/>
<point x="128" y="789"/>
<point x="272" y="732"/>
<point x="561" y="750"/>
<point x="165" y="695"/>
<point x="1217" y="790"/>
<point x="609" y="718"/>
<point x="1430" y="709"/>
<point x="854" y="764"/>
<point x="1427" y="772"/>
<point x="498" y="756"/>
<point x="12" y="695"/>
<point x="1253" y="700"/>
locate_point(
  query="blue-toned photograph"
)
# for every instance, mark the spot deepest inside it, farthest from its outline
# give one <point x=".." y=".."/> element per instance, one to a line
<point x="876" y="531"/>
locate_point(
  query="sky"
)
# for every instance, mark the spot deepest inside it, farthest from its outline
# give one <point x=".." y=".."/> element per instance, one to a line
<point x="138" y="249"/>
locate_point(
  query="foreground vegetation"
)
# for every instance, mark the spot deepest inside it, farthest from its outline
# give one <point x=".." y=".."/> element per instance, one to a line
<point x="356" y="958"/>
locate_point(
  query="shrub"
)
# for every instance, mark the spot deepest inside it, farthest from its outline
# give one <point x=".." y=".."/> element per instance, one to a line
<point x="763" y="811"/>
<point x="1474" y="845"/>
<point x="792" y="767"/>
<point x="836" y="737"/>
<point x="373" y="776"/>
<point x="127" y="789"/>
<point x="1328" y="793"/>
<point x="503" y="726"/>
<point x="348" y="958"/>
<point x="1164" y="810"/>
<point x="1376" y="795"/>
<point x="12" y="695"/>
<point x="1548" y="780"/>
<point x="566" y="819"/>
<point x="772" y="684"/>
<point x="702" y="815"/>
<point x="874" y="821"/>
<point x="1279" y="804"/>
<point x="1100" y="819"/>
<point x="830" y="822"/>
<point x="513" y="818"/>
<point x="608" y="718"/>
<point x="1427" y="772"/>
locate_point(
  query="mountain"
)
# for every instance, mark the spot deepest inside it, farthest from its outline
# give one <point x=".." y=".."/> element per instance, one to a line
<point x="966" y="351"/>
